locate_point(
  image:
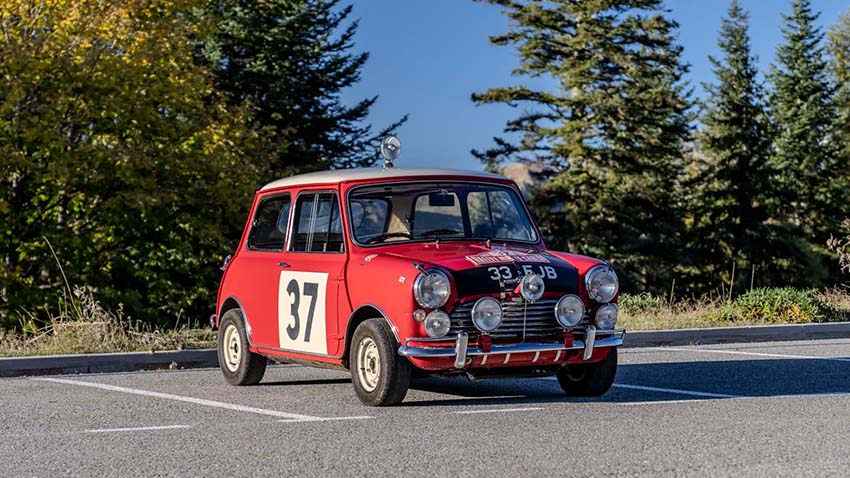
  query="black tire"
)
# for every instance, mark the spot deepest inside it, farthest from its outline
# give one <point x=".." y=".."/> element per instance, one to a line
<point x="239" y="365"/>
<point x="373" y="343"/>
<point x="589" y="380"/>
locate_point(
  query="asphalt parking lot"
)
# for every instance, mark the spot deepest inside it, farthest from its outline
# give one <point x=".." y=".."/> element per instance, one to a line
<point x="769" y="409"/>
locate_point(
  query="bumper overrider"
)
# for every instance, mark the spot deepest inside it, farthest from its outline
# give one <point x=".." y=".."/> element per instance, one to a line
<point x="590" y="339"/>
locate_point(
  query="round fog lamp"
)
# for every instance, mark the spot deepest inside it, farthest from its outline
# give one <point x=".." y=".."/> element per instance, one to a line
<point x="606" y="316"/>
<point x="437" y="324"/>
<point x="532" y="287"/>
<point x="569" y="311"/>
<point x="487" y="314"/>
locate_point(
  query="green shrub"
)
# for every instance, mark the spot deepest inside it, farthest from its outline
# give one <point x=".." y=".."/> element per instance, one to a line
<point x="775" y="305"/>
<point x="643" y="303"/>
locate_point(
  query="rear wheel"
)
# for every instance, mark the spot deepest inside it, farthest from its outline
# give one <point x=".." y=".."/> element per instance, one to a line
<point x="380" y="376"/>
<point x="239" y="365"/>
<point x="589" y="380"/>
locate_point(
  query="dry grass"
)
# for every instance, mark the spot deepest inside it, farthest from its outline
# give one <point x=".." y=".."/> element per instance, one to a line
<point x="83" y="326"/>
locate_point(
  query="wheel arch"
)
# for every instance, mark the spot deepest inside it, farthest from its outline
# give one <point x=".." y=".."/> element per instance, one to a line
<point x="362" y="314"/>
<point x="229" y="304"/>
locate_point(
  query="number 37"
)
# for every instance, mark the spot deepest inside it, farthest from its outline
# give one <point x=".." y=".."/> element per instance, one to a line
<point x="311" y="290"/>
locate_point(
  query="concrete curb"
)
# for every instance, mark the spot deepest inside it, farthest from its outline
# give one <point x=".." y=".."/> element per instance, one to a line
<point x="730" y="335"/>
<point x="207" y="358"/>
<point x="100" y="363"/>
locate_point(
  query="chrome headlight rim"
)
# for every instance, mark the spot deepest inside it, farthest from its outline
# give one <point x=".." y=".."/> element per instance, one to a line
<point x="558" y="307"/>
<point x="417" y="293"/>
<point x="480" y="302"/>
<point x="524" y="287"/>
<point x="615" y="313"/>
<point x="437" y="324"/>
<point x="588" y="280"/>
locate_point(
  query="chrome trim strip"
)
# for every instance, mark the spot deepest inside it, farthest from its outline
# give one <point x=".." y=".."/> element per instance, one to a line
<point x="507" y="358"/>
<point x="558" y="355"/>
<point x="536" y="356"/>
<point x="484" y="359"/>
<point x="590" y="341"/>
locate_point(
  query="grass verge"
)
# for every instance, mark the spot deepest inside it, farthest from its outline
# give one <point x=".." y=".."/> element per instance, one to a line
<point x="768" y="306"/>
<point x="83" y="326"/>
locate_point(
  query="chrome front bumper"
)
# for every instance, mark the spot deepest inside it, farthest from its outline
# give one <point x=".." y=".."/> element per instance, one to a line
<point x="593" y="339"/>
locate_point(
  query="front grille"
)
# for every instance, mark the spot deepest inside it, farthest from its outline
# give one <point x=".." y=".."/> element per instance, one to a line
<point x="540" y="323"/>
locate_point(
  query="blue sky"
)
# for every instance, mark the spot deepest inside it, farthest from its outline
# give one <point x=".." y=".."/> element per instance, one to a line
<point x="428" y="56"/>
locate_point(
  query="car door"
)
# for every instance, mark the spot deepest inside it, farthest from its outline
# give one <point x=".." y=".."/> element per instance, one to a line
<point x="256" y="277"/>
<point x="311" y="294"/>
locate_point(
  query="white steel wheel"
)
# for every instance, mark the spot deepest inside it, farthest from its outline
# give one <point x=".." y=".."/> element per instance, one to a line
<point x="238" y="364"/>
<point x="232" y="348"/>
<point x="379" y="374"/>
<point x="368" y="364"/>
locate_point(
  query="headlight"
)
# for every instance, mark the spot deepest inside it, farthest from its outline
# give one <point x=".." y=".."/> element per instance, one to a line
<point x="532" y="287"/>
<point x="606" y="316"/>
<point x="601" y="283"/>
<point x="437" y="324"/>
<point x="487" y="314"/>
<point x="569" y="311"/>
<point x="431" y="290"/>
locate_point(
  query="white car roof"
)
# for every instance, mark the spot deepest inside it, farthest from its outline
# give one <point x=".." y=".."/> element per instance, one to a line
<point x="359" y="174"/>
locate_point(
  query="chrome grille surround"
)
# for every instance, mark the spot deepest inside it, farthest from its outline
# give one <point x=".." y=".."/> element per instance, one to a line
<point x="539" y="317"/>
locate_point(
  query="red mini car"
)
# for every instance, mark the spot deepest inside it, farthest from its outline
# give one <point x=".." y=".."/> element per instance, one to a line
<point x="387" y="272"/>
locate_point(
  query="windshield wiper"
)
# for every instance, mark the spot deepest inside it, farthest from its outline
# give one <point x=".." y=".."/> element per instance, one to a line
<point x="439" y="232"/>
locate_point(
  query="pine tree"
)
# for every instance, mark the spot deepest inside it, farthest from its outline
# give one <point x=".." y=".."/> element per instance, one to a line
<point x="734" y="218"/>
<point x="839" y="49"/>
<point x="803" y="111"/>
<point x="290" y="59"/>
<point x="611" y="136"/>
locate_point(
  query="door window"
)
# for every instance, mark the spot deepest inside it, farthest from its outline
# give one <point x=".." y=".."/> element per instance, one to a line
<point x="268" y="231"/>
<point x="317" y="224"/>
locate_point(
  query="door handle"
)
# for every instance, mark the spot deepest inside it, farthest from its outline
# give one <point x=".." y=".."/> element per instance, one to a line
<point x="282" y="264"/>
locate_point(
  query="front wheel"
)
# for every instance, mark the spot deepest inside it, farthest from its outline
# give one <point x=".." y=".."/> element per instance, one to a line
<point x="239" y="365"/>
<point x="589" y="380"/>
<point x="380" y="376"/>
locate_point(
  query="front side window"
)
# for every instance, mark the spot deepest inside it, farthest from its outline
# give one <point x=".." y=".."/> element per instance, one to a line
<point x="268" y="230"/>
<point x="427" y="211"/>
<point x="317" y="224"/>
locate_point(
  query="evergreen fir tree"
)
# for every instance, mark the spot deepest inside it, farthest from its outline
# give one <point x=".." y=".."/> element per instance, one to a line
<point x="290" y="59"/>
<point x="611" y="136"/>
<point x="733" y="212"/>
<point x="839" y="49"/>
<point x="805" y="151"/>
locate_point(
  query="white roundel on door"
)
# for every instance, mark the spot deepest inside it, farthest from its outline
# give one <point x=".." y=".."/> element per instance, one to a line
<point x="301" y="311"/>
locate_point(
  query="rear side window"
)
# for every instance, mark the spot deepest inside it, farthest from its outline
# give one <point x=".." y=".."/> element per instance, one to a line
<point x="268" y="231"/>
<point x="317" y="224"/>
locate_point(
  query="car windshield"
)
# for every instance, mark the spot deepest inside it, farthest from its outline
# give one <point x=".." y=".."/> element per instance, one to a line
<point x="391" y="213"/>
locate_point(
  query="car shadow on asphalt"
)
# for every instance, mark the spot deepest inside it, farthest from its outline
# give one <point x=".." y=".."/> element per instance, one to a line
<point x="635" y="383"/>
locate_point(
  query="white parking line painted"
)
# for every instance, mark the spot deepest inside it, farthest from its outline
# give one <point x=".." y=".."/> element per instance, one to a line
<point x="665" y="402"/>
<point x="330" y="419"/>
<point x="675" y="391"/>
<point x="498" y="410"/>
<point x="180" y="398"/>
<point x="136" y="429"/>
<point x="754" y="354"/>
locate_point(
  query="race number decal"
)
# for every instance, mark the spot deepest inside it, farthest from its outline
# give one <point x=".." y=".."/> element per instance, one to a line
<point x="301" y="311"/>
